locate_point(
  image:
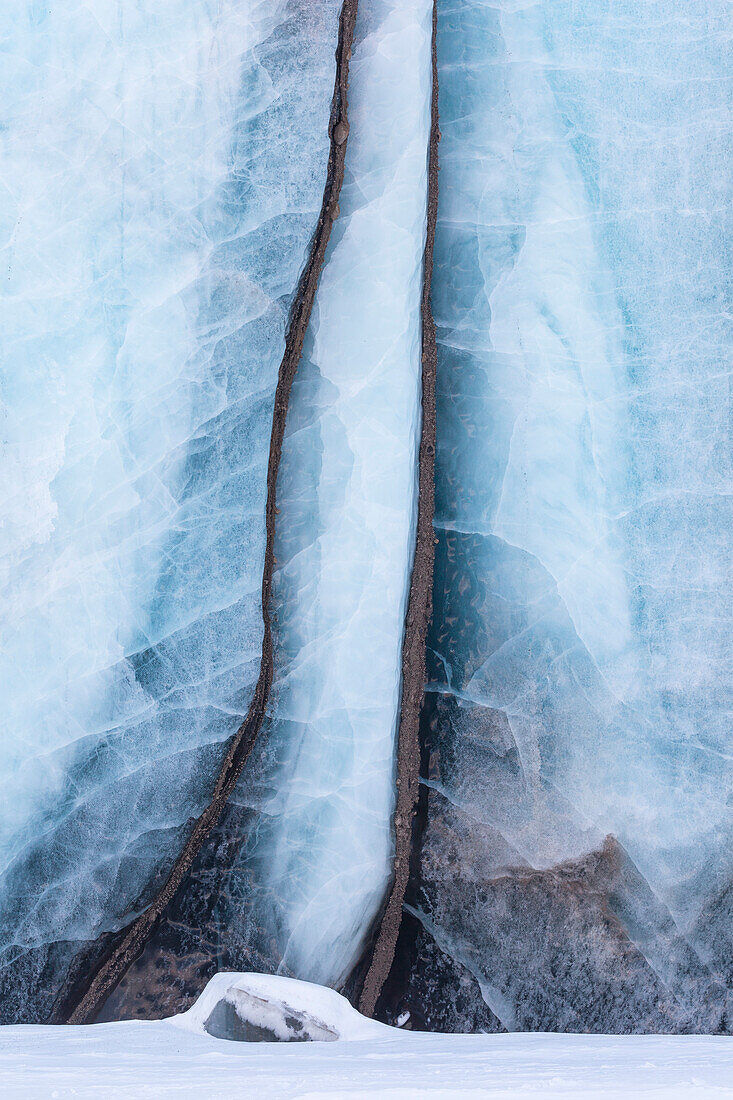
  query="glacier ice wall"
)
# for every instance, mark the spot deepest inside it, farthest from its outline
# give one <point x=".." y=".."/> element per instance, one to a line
<point x="162" y="169"/>
<point x="578" y="817"/>
<point x="162" y="173"/>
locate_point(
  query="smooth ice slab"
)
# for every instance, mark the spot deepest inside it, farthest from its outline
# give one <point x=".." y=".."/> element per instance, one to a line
<point x="579" y="722"/>
<point x="162" y="169"/>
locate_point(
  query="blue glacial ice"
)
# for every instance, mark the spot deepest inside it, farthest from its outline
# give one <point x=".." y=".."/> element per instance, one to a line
<point x="583" y="596"/>
<point x="162" y="168"/>
<point x="161" y="173"/>
<point x="316" y="866"/>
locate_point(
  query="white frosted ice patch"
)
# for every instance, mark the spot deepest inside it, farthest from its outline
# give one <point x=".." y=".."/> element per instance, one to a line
<point x="176" y="1058"/>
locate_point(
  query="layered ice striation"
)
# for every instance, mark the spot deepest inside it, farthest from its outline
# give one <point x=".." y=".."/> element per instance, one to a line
<point x="162" y="174"/>
<point x="577" y="850"/>
<point x="308" y="883"/>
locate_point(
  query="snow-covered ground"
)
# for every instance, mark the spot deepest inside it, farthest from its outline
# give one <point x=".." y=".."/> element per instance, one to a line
<point x="177" y="1058"/>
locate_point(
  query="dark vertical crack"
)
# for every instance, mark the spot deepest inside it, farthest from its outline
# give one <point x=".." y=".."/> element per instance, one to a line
<point x="419" y="605"/>
<point x="82" y="1003"/>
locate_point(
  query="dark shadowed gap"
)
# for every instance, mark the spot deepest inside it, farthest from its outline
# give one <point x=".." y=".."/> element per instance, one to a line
<point x="81" y="1002"/>
<point x="419" y="604"/>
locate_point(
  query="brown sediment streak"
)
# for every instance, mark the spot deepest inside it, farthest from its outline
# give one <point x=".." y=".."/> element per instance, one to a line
<point x="419" y="604"/>
<point x="83" y="1003"/>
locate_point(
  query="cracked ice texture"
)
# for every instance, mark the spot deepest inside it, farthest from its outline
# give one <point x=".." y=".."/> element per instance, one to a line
<point x="583" y="598"/>
<point x="314" y="871"/>
<point x="162" y="172"/>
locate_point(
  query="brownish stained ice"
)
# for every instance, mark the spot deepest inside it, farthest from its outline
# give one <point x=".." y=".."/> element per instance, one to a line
<point x="419" y="605"/>
<point x="83" y="1001"/>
